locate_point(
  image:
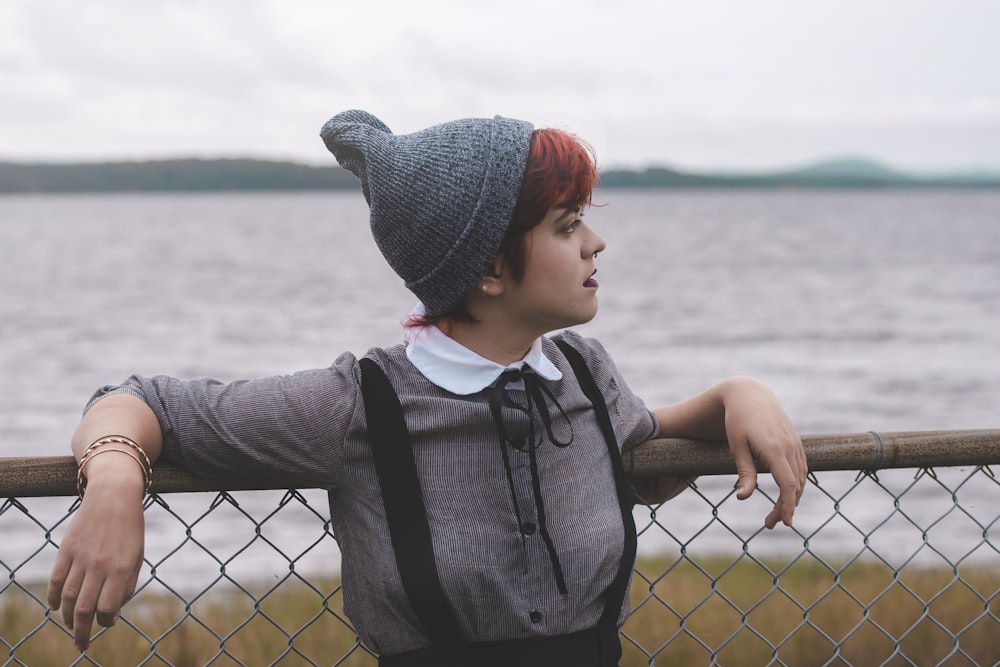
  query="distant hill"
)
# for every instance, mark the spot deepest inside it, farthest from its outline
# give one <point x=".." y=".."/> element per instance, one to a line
<point x="194" y="175"/>
<point x="171" y="176"/>
<point x="838" y="173"/>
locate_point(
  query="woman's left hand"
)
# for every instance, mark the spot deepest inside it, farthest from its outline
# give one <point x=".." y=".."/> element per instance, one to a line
<point x="745" y="413"/>
<point x="757" y="428"/>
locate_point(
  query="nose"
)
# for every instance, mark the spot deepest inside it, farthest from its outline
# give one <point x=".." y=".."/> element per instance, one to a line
<point x="595" y="245"/>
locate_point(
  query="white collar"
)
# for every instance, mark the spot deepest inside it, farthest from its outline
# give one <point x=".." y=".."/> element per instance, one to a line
<point x="455" y="368"/>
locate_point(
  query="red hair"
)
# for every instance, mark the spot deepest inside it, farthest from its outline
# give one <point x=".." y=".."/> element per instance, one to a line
<point x="561" y="172"/>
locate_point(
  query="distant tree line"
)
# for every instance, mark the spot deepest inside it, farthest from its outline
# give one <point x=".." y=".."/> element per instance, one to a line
<point x="171" y="176"/>
<point x="193" y="175"/>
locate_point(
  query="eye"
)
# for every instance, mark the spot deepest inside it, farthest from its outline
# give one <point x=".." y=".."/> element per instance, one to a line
<point x="575" y="222"/>
<point x="571" y="227"/>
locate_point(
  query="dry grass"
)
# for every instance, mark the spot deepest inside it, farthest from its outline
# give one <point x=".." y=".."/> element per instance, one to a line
<point x="740" y="612"/>
<point x="805" y="613"/>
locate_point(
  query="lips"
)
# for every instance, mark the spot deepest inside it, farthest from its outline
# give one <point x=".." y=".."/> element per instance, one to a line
<point x="591" y="282"/>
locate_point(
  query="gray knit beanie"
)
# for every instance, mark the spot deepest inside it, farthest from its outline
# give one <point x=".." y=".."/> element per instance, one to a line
<point x="441" y="199"/>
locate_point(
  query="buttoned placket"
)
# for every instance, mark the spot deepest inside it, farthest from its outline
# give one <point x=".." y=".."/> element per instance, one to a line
<point x="536" y="565"/>
<point x="517" y="423"/>
<point x="518" y="400"/>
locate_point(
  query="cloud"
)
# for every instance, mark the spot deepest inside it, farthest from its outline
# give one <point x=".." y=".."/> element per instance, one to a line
<point x="686" y="83"/>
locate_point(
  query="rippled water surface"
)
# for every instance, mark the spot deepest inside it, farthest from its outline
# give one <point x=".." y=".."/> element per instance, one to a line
<point x="864" y="311"/>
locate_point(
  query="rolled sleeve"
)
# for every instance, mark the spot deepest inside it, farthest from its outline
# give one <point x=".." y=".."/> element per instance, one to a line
<point x="287" y="428"/>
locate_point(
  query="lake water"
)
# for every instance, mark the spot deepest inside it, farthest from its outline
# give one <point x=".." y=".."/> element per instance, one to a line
<point x="864" y="310"/>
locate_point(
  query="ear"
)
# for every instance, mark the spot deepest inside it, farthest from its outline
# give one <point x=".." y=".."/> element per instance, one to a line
<point x="492" y="284"/>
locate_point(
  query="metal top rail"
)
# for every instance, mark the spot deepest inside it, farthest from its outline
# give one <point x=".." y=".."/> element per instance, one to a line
<point x="56" y="475"/>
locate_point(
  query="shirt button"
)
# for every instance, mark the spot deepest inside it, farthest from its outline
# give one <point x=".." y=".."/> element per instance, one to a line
<point x="535" y="616"/>
<point x="528" y="528"/>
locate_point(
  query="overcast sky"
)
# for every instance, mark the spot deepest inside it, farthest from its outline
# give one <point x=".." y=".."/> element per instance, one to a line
<point x="697" y="84"/>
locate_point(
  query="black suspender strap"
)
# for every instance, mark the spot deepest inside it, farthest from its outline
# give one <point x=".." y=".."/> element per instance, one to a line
<point x="619" y="586"/>
<point x="404" y="506"/>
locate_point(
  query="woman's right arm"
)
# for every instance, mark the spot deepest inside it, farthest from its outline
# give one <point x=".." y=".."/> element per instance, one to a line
<point x="99" y="559"/>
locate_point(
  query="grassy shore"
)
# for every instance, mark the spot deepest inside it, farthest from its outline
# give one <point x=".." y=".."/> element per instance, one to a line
<point x="742" y="612"/>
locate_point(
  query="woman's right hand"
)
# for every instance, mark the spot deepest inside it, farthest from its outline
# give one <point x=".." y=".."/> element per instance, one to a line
<point x="98" y="562"/>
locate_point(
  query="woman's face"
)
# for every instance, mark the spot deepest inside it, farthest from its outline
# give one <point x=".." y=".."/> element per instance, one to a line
<point x="558" y="289"/>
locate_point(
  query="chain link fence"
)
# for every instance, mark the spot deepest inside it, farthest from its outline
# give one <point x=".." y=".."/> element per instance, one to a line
<point x="883" y="566"/>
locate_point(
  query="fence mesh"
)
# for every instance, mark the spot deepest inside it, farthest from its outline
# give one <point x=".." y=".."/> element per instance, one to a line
<point x="898" y="567"/>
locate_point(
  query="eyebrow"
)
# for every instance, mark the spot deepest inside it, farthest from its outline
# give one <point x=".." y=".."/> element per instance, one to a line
<point x="568" y="212"/>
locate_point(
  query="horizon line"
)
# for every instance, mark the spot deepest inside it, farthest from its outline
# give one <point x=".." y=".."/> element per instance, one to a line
<point x="833" y="159"/>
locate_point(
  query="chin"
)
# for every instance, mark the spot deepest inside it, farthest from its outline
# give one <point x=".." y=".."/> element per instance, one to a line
<point x="582" y="318"/>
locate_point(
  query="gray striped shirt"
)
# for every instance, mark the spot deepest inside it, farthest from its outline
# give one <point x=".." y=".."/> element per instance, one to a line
<point x="309" y="430"/>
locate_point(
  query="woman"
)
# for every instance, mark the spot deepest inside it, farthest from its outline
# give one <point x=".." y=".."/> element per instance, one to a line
<point x="474" y="472"/>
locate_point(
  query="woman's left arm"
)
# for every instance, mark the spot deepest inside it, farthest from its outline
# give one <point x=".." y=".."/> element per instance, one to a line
<point x="745" y="413"/>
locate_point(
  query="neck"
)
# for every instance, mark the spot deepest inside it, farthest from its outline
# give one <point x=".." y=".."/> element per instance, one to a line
<point x="502" y="345"/>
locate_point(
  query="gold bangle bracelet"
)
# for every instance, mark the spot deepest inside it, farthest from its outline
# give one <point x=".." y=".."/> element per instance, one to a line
<point x="128" y="442"/>
<point x="81" y="478"/>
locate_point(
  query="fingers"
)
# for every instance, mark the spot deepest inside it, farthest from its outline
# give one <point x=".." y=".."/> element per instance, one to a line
<point x="74" y="597"/>
<point x="82" y="600"/>
<point x="114" y="593"/>
<point x="771" y="520"/>
<point x="68" y="595"/>
<point x="107" y="610"/>
<point x="790" y="473"/>
<point x="789" y="468"/>
<point x="758" y="429"/>
<point x="57" y="580"/>
<point x="83" y="612"/>
<point x="790" y="487"/>
<point x="746" y="468"/>
<point x="803" y="468"/>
